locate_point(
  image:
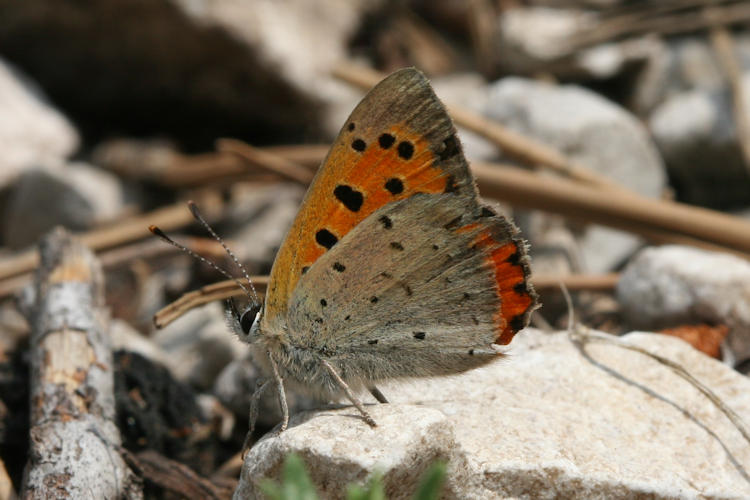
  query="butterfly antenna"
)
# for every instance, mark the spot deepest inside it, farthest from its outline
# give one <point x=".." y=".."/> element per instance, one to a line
<point x="161" y="234"/>
<point x="196" y="213"/>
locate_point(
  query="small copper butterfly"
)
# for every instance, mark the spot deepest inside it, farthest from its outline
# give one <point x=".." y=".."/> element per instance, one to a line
<point x="393" y="268"/>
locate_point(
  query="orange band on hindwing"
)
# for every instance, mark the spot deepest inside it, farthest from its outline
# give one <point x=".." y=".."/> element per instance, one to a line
<point x="516" y="297"/>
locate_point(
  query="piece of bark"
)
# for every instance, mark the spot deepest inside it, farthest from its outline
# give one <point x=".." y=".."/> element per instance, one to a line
<point x="176" y="479"/>
<point x="74" y="442"/>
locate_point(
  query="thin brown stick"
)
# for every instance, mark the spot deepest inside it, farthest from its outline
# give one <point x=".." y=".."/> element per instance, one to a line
<point x="216" y="291"/>
<point x="663" y="23"/>
<point x="723" y="46"/>
<point x="146" y="249"/>
<point x="116" y="233"/>
<point x="626" y="211"/>
<point x="74" y="439"/>
<point x="265" y="160"/>
<point x="228" y="288"/>
<point x="176" y="479"/>
<point x="513" y="144"/>
<point x="589" y="282"/>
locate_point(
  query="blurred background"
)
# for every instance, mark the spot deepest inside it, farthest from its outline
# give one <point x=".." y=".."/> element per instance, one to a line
<point x="113" y="113"/>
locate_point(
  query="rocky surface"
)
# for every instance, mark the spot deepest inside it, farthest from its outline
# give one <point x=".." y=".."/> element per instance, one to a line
<point x="547" y="421"/>
<point x="673" y="285"/>
<point x="695" y="132"/>
<point x="32" y="131"/>
<point x="76" y="195"/>
<point x="592" y="131"/>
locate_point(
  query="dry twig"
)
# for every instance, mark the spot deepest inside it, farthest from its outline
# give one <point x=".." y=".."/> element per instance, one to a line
<point x="15" y="269"/>
<point x="226" y="289"/>
<point x="74" y="438"/>
<point x="267" y="161"/>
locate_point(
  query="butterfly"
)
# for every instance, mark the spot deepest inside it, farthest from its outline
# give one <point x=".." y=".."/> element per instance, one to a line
<point x="393" y="267"/>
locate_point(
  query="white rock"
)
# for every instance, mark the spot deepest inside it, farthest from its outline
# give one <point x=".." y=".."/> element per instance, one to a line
<point x="234" y="387"/>
<point x="31" y="131"/>
<point x="673" y="285"/>
<point x="304" y="40"/>
<point x="593" y="132"/>
<point x="76" y="196"/>
<point x="199" y="345"/>
<point x="695" y="132"/>
<point x="127" y="338"/>
<point x="546" y="422"/>
<point x="264" y="214"/>
<point x="540" y="34"/>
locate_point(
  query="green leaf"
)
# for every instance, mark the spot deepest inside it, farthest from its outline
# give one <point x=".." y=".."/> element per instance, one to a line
<point x="295" y="483"/>
<point x="373" y="491"/>
<point x="432" y="483"/>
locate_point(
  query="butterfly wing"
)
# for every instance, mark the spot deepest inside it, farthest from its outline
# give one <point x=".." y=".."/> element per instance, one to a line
<point x="397" y="142"/>
<point x="421" y="287"/>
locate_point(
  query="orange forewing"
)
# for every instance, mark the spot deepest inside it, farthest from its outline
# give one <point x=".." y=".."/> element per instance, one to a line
<point x="366" y="172"/>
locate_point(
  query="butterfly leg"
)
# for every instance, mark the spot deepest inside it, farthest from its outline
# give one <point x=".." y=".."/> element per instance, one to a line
<point x="349" y="394"/>
<point x="282" y="395"/>
<point x="377" y="394"/>
<point x="260" y="387"/>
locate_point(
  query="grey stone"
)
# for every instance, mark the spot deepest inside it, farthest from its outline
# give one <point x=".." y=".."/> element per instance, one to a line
<point x="674" y="285"/>
<point x="591" y="131"/>
<point x="199" y="345"/>
<point x="262" y="215"/>
<point x="32" y="132"/>
<point x="695" y="133"/>
<point x="76" y="196"/>
<point x="544" y="422"/>
<point x="234" y="387"/>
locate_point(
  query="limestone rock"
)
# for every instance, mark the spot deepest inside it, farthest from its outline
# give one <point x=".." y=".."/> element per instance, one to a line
<point x="31" y="131"/>
<point x="76" y="196"/>
<point x="234" y="387"/>
<point x="545" y="422"/>
<point x="199" y="345"/>
<point x="695" y="132"/>
<point x="674" y="285"/>
<point x="593" y="132"/>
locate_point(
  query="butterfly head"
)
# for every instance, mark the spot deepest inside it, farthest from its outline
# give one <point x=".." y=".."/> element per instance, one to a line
<point x="244" y="322"/>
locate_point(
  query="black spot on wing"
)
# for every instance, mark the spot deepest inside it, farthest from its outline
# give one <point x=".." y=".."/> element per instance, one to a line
<point x="337" y="266"/>
<point x="518" y="322"/>
<point x="351" y="126"/>
<point x="372" y="342"/>
<point x="514" y="258"/>
<point x="358" y="145"/>
<point x="405" y="150"/>
<point x="450" y="185"/>
<point x="394" y="186"/>
<point x="396" y="245"/>
<point x="386" y="221"/>
<point x="351" y="198"/>
<point x="450" y="148"/>
<point x="326" y="238"/>
<point x="386" y="141"/>
<point x="419" y="335"/>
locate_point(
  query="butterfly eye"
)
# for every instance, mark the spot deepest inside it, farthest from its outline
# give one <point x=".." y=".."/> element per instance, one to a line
<point x="248" y="318"/>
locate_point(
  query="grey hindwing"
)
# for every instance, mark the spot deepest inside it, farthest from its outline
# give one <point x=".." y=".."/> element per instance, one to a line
<point x="403" y="294"/>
